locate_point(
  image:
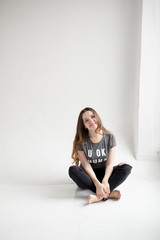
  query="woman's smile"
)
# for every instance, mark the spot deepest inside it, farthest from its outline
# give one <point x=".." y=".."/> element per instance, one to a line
<point x="93" y="124"/>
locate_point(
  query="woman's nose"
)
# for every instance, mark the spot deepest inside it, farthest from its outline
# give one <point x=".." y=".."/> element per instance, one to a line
<point x="90" y="120"/>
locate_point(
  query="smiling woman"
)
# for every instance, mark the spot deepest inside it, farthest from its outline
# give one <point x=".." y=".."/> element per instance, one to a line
<point x="89" y="120"/>
<point x="93" y="153"/>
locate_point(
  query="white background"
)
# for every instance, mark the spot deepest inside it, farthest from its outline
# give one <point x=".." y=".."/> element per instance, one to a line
<point x="58" y="57"/>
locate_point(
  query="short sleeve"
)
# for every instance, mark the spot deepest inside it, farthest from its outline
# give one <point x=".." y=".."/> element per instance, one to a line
<point x="80" y="147"/>
<point x="112" y="141"/>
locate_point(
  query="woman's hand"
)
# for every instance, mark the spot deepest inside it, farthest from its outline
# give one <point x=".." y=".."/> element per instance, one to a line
<point x="106" y="187"/>
<point x="100" y="191"/>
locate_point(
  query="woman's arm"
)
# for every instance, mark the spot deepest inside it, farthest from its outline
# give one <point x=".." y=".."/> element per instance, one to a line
<point x="109" y="168"/>
<point x="88" y="169"/>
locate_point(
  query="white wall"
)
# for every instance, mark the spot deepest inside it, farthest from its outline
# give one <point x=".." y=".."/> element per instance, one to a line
<point x="156" y="79"/>
<point x="58" y="57"/>
<point x="149" y="97"/>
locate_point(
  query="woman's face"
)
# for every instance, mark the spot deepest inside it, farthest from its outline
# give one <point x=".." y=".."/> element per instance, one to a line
<point x="89" y="120"/>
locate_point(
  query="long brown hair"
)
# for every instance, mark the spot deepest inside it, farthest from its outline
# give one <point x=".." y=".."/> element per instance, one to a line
<point x="82" y="132"/>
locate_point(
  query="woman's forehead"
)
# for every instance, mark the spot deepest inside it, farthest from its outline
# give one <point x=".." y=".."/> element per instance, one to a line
<point x="87" y="114"/>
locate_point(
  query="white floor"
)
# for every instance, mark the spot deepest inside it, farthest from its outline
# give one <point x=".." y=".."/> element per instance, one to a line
<point x="48" y="212"/>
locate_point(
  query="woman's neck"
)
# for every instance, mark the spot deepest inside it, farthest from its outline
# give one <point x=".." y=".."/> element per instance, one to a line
<point x="94" y="135"/>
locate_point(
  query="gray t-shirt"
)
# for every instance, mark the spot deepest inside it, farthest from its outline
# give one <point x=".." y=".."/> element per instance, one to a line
<point x="97" y="153"/>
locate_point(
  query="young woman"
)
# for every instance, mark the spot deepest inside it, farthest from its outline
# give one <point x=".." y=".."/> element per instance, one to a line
<point x="94" y="148"/>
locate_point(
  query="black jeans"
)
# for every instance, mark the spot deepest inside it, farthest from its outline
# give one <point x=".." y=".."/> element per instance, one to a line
<point x="80" y="177"/>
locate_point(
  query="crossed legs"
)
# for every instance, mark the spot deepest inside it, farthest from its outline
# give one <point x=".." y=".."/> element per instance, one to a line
<point x="119" y="174"/>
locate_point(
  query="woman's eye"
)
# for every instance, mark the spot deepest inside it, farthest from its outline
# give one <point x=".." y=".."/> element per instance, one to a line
<point x="86" y="120"/>
<point x="93" y="116"/>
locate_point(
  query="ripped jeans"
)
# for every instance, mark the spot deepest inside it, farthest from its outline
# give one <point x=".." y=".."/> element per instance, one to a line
<point x="118" y="176"/>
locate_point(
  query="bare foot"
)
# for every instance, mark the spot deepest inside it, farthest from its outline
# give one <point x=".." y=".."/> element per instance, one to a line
<point x="115" y="195"/>
<point x="93" y="199"/>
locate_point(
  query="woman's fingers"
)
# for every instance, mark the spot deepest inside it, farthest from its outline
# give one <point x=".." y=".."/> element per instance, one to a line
<point x="101" y="191"/>
<point x="107" y="190"/>
<point x="101" y="195"/>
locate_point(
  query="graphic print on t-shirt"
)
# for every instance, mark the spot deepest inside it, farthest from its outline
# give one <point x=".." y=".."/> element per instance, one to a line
<point x="97" y="153"/>
<point x="100" y="154"/>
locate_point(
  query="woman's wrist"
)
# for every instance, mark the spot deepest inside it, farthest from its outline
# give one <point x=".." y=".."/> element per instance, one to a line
<point x="105" y="180"/>
<point x="96" y="182"/>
